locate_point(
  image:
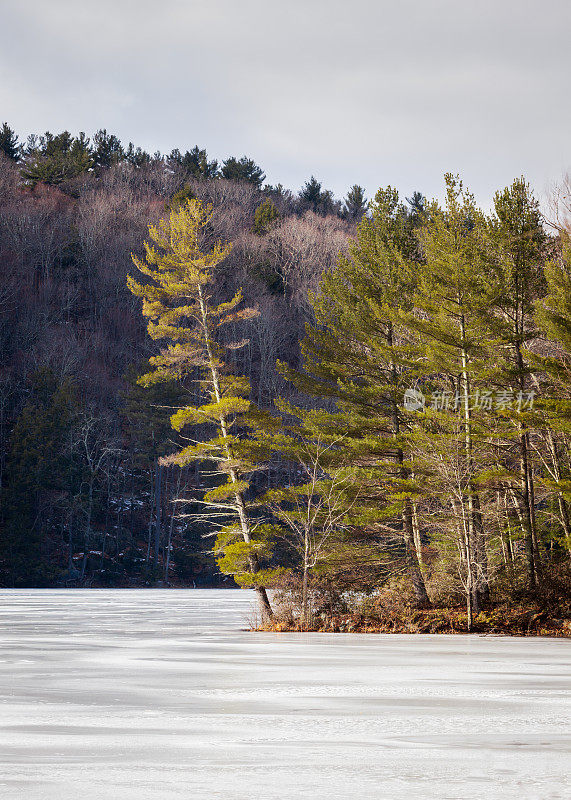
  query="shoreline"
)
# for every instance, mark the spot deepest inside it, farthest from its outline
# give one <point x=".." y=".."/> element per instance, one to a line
<point x="494" y="622"/>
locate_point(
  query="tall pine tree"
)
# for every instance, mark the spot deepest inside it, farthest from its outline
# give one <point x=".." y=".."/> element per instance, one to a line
<point x="453" y="287"/>
<point x="554" y="319"/>
<point x="357" y="354"/>
<point x="178" y="303"/>
<point x="521" y="244"/>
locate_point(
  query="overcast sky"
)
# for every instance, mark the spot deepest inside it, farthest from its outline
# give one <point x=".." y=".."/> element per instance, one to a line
<point x="362" y="91"/>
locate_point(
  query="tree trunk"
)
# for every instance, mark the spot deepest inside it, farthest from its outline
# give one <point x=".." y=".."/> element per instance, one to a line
<point x="413" y="565"/>
<point x="264" y="603"/>
<point x="502" y="531"/>
<point x="417" y="539"/>
<point x="150" y="528"/>
<point x="87" y="535"/>
<point x="171" y="527"/>
<point x="158" y="514"/>
<point x="412" y="560"/>
<point x="526" y="508"/>
<point x="509" y="545"/>
<point x="481" y="554"/>
<point x="304" y="592"/>
<point x="474" y="529"/>
<point x="561" y="502"/>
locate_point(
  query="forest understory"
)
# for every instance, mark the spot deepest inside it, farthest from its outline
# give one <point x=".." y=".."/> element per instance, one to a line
<point x="511" y="612"/>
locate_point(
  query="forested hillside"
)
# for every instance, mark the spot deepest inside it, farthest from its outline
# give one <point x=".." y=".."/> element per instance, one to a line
<point x="83" y="497"/>
<point x="337" y="400"/>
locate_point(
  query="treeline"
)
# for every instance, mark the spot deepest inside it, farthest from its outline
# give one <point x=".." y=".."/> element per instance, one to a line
<point x="422" y="443"/>
<point x="83" y="498"/>
<point x="65" y="160"/>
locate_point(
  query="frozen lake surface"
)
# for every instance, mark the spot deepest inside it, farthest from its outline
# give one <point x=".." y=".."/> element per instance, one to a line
<point x="140" y="694"/>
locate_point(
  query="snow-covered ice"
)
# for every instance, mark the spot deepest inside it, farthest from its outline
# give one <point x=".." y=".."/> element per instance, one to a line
<point x="140" y="694"/>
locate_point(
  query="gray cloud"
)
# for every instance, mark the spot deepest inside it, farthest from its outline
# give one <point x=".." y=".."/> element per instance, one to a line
<point x="368" y="92"/>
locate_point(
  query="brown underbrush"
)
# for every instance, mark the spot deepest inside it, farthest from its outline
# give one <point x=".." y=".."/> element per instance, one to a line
<point x="511" y="611"/>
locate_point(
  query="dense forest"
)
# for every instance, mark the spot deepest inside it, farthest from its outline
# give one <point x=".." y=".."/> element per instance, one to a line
<point x="364" y="407"/>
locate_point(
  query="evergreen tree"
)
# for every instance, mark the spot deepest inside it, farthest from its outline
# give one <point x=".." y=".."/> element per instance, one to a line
<point x="178" y="304"/>
<point x="107" y="149"/>
<point x="79" y="154"/>
<point x="9" y="142"/>
<point x="180" y="197"/>
<point x="318" y="200"/>
<point x="311" y="193"/>
<point x="55" y="159"/>
<point x="243" y="169"/>
<point x="53" y="146"/>
<point x="355" y="205"/>
<point x="416" y="203"/>
<point x="196" y="163"/>
<point x="415" y="216"/>
<point x="454" y="286"/>
<point x="554" y="318"/>
<point x="136" y="156"/>
<point x="521" y="243"/>
<point x="265" y="217"/>
<point x="356" y="354"/>
<point x="553" y="312"/>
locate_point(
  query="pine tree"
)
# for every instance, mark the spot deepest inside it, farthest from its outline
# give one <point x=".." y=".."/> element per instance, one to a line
<point x="179" y="306"/>
<point x="197" y="164"/>
<point x="416" y="203"/>
<point x="553" y="315"/>
<point x="136" y="156"/>
<point x="265" y="217"/>
<point x="318" y="200"/>
<point x="311" y="193"/>
<point x="521" y="244"/>
<point x="356" y="353"/>
<point x="454" y="285"/>
<point x="180" y="197"/>
<point x="355" y="204"/>
<point x="194" y="162"/>
<point x="107" y="149"/>
<point x="55" y="159"/>
<point x="243" y="169"/>
<point x="9" y="142"/>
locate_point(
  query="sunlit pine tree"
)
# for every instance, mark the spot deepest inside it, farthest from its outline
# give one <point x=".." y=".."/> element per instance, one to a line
<point x="178" y="304"/>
